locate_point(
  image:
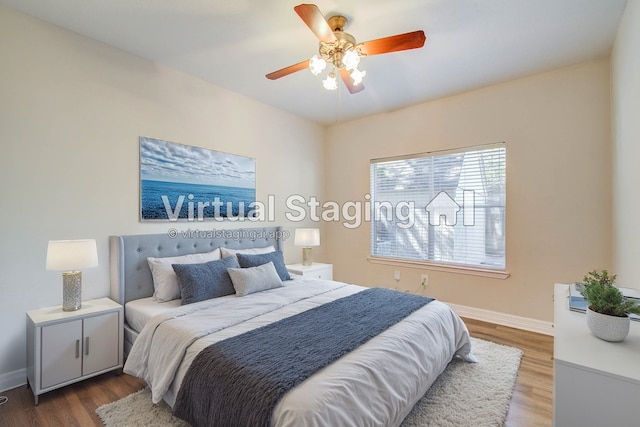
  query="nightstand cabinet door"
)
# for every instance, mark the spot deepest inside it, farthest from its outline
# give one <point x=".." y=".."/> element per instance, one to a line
<point x="100" y="345"/>
<point x="61" y="353"/>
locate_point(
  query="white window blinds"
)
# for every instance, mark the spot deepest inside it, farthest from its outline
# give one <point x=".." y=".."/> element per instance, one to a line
<point x="446" y="208"/>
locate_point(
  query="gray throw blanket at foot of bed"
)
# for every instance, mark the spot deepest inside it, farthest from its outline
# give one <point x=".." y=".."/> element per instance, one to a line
<point x="240" y="380"/>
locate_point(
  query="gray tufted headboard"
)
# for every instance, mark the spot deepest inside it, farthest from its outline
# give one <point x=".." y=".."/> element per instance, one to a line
<point x="130" y="274"/>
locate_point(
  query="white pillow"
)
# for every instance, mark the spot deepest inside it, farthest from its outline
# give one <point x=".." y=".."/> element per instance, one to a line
<point x="254" y="279"/>
<point x="227" y="252"/>
<point x="165" y="281"/>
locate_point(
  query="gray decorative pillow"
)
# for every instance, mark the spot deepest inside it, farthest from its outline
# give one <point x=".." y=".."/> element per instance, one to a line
<point x="165" y="281"/>
<point x="254" y="279"/>
<point x="246" y="261"/>
<point x="199" y="282"/>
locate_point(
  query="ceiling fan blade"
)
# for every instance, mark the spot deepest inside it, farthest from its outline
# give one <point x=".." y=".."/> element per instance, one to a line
<point x="288" y="70"/>
<point x="348" y="81"/>
<point x="314" y="19"/>
<point x="396" y="43"/>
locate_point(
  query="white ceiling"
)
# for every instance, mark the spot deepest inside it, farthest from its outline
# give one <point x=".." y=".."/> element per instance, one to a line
<point x="234" y="43"/>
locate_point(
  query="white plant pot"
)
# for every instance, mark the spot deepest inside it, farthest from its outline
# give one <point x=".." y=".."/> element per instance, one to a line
<point x="608" y="328"/>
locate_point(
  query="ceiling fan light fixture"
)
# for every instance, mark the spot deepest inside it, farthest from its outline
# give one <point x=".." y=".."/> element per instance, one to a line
<point x="357" y="76"/>
<point x="330" y="83"/>
<point x="351" y="59"/>
<point x="317" y="65"/>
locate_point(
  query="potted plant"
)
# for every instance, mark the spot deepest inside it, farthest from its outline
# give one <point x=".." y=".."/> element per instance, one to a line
<point x="608" y="309"/>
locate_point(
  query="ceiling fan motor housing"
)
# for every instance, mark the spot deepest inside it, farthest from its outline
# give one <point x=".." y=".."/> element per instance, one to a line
<point x="334" y="52"/>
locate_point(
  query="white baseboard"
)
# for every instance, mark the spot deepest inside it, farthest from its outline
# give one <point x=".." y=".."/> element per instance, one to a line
<point x="503" y="319"/>
<point x="13" y="379"/>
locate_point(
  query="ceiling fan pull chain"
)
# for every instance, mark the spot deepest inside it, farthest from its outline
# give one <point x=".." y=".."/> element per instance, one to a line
<point x="339" y="104"/>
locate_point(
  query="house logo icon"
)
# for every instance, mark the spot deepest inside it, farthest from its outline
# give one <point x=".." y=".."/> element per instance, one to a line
<point x="443" y="206"/>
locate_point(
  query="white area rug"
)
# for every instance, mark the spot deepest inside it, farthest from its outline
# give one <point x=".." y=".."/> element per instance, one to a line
<point x="465" y="395"/>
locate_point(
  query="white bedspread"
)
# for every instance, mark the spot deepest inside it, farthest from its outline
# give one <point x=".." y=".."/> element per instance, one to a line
<point x="138" y="312"/>
<point x="375" y="385"/>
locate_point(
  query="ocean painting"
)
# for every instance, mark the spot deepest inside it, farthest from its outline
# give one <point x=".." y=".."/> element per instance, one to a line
<point x="180" y="182"/>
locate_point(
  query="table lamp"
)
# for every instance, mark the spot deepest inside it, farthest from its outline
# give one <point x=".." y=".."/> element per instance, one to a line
<point x="307" y="237"/>
<point x="70" y="256"/>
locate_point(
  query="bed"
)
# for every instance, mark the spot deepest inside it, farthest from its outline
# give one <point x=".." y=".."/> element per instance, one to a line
<point x="376" y="384"/>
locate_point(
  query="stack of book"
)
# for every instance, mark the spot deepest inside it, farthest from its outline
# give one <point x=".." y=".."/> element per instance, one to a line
<point x="578" y="303"/>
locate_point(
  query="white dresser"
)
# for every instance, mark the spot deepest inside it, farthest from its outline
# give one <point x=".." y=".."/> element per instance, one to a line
<point x="596" y="383"/>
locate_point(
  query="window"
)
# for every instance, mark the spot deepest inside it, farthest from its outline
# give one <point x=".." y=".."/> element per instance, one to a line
<point x="445" y="208"/>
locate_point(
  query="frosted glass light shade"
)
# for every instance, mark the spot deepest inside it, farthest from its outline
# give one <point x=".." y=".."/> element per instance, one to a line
<point x="72" y="255"/>
<point x="351" y="59"/>
<point x="330" y="83"/>
<point x="357" y="76"/>
<point x="307" y="237"/>
<point x="317" y="65"/>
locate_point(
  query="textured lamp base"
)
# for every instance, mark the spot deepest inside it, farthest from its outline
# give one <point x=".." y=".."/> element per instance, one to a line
<point x="71" y="290"/>
<point x="306" y="256"/>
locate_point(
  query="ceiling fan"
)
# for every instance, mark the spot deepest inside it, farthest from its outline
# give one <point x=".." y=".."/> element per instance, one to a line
<point x="340" y="50"/>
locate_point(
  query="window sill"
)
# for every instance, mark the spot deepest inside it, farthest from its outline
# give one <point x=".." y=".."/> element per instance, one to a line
<point x="459" y="269"/>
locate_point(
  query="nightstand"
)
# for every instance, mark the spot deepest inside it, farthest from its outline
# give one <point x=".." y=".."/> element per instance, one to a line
<point x="316" y="270"/>
<point x="64" y="347"/>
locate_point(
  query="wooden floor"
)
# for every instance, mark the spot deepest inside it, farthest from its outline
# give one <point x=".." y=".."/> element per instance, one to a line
<point x="75" y="405"/>
<point x="532" y="400"/>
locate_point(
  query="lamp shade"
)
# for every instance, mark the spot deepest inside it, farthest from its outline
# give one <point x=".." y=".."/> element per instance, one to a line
<point x="70" y="255"/>
<point x="307" y="237"/>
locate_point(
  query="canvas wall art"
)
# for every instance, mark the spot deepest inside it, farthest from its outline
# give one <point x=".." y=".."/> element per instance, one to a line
<point x="179" y="182"/>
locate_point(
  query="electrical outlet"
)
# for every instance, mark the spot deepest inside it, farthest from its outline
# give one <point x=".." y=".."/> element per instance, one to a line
<point x="396" y="275"/>
<point x="425" y="280"/>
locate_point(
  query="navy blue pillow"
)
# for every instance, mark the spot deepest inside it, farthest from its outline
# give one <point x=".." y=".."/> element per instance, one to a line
<point x="198" y="282"/>
<point x="247" y="260"/>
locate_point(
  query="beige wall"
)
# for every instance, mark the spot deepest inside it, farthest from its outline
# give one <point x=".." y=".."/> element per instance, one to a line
<point x="557" y="130"/>
<point x="625" y="103"/>
<point x="71" y="112"/>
